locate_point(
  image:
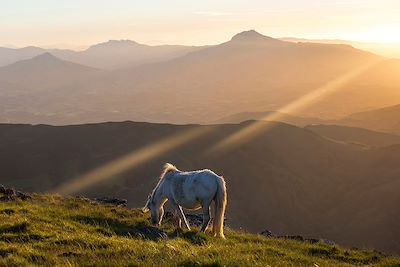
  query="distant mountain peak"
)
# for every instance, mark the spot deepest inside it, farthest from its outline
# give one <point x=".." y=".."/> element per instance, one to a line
<point x="46" y="57"/>
<point x="115" y="44"/>
<point x="251" y="35"/>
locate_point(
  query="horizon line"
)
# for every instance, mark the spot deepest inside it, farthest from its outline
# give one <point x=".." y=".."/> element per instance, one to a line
<point x="82" y="47"/>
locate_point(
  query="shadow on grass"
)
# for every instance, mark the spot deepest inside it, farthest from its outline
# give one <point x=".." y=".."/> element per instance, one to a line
<point x="19" y="232"/>
<point x="108" y="226"/>
<point x="14" y="228"/>
<point x="346" y="256"/>
<point x="194" y="263"/>
<point x="194" y="237"/>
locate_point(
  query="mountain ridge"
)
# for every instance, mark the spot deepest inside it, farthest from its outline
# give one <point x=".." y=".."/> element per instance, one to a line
<point x="385" y="119"/>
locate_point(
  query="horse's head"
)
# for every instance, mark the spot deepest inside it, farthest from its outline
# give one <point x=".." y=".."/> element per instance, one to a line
<point x="155" y="208"/>
<point x="146" y="207"/>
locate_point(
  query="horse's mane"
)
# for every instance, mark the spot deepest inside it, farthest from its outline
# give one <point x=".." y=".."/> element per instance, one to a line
<point x="168" y="167"/>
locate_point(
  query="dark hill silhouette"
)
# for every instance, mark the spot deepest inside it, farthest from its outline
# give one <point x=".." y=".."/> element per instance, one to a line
<point x="288" y="179"/>
<point x="280" y="116"/>
<point x="353" y="135"/>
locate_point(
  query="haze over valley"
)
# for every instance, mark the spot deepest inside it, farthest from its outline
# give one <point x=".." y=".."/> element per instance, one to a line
<point x="251" y="72"/>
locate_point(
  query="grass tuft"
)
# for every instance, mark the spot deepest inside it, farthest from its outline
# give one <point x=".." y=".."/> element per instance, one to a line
<point x="14" y="228"/>
<point x="7" y="211"/>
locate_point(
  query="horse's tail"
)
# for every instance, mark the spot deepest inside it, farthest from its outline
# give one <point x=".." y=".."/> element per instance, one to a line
<point x="220" y="205"/>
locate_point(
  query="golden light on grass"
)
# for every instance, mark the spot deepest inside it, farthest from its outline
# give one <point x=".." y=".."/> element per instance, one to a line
<point x="130" y="161"/>
<point x="261" y="125"/>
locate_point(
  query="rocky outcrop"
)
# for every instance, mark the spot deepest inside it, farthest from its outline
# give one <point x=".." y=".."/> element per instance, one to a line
<point x="195" y="220"/>
<point x="10" y="194"/>
<point x="269" y="234"/>
<point x="111" y="201"/>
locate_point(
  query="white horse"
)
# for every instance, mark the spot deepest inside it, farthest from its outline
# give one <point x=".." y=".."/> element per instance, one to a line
<point x="190" y="190"/>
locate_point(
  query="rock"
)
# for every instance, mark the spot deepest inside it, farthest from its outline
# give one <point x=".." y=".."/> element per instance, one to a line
<point x="9" y="192"/>
<point x="22" y="195"/>
<point x="150" y="232"/>
<point x="292" y="237"/>
<point x="111" y="201"/>
<point x="6" y="198"/>
<point x="195" y="220"/>
<point x="328" y="242"/>
<point x="266" y="233"/>
<point x="311" y="240"/>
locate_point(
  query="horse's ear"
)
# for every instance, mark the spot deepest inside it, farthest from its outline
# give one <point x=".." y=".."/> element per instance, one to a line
<point x="145" y="209"/>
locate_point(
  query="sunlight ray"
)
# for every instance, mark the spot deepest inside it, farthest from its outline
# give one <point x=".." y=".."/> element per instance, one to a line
<point x="130" y="161"/>
<point x="261" y="125"/>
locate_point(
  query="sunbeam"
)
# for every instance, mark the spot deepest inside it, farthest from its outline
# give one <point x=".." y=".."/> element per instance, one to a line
<point x="261" y="125"/>
<point x="130" y="161"/>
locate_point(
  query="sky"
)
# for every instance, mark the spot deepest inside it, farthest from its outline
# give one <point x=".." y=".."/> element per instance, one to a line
<point x="73" y="23"/>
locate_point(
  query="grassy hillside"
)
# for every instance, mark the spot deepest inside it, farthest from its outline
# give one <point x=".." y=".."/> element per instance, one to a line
<point x="50" y="230"/>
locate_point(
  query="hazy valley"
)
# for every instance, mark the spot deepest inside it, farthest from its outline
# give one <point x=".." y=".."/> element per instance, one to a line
<point x="250" y="73"/>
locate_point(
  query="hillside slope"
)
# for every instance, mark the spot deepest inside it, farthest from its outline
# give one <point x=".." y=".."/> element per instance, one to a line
<point x="357" y="136"/>
<point x="281" y="116"/>
<point x="50" y="230"/>
<point x="385" y="119"/>
<point x="287" y="179"/>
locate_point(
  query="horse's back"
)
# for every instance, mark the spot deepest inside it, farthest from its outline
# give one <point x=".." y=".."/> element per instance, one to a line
<point x="194" y="187"/>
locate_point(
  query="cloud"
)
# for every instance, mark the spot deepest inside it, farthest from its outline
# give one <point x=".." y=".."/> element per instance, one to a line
<point x="213" y="13"/>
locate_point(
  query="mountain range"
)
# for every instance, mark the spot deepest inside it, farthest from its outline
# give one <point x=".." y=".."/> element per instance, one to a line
<point x="178" y="84"/>
<point x="113" y="54"/>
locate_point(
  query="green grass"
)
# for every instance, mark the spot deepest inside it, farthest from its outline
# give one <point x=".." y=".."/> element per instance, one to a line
<point x="51" y="230"/>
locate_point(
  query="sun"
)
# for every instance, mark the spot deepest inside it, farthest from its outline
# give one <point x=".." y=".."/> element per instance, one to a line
<point x="388" y="33"/>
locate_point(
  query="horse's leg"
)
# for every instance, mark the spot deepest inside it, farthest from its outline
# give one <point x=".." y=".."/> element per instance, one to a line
<point x="178" y="219"/>
<point x="181" y="215"/>
<point x="206" y="217"/>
